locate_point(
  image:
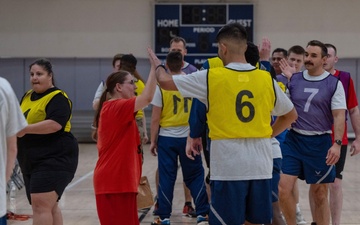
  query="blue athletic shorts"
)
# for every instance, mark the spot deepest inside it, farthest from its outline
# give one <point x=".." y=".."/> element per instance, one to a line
<point x="233" y="202"/>
<point x="3" y="220"/>
<point x="305" y="156"/>
<point x="275" y="179"/>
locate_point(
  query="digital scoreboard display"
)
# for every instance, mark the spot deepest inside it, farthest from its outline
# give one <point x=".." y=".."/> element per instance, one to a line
<point x="198" y="24"/>
<point x="203" y="14"/>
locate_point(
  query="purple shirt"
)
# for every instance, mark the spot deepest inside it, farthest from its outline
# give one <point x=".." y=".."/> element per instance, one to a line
<point x="312" y="101"/>
<point x="189" y="69"/>
<point x="281" y="78"/>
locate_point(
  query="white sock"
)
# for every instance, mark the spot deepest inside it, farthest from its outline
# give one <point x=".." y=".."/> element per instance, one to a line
<point x="297" y="207"/>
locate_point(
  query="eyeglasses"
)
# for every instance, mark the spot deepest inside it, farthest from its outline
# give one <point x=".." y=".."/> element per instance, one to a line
<point x="132" y="82"/>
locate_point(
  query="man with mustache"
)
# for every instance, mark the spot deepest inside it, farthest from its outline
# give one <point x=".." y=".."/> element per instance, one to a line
<point x="308" y="152"/>
<point x="336" y="195"/>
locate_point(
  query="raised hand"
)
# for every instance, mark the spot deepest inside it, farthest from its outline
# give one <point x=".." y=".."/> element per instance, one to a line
<point x="264" y="49"/>
<point x="286" y="69"/>
<point x="154" y="61"/>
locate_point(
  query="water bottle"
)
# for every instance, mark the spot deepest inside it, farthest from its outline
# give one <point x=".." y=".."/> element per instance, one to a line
<point x="12" y="197"/>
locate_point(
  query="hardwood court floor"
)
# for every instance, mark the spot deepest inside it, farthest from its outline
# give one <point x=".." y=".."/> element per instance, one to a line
<point x="78" y="202"/>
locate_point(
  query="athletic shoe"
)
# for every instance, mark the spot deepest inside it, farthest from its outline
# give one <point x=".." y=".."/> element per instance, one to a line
<point x="189" y="211"/>
<point x="202" y="220"/>
<point x="283" y="217"/>
<point x="156" y="207"/>
<point x="159" y="221"/>
<point x="300" y="219"/>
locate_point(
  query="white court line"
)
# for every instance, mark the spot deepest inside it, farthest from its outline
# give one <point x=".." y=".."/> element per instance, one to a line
<point x="79" y="181"/>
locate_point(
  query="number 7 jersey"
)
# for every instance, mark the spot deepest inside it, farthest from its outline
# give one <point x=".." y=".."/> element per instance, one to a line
<point x="312" y="101"/>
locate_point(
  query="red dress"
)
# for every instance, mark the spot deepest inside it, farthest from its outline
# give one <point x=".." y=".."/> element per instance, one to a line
<point x="118" y="169"/>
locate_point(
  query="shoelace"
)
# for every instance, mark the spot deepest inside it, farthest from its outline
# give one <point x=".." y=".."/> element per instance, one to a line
<point x="20" y="217"/>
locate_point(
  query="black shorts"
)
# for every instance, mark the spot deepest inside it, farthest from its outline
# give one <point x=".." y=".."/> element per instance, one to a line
<point x="339" y="166"/>
<point x="47" y="181"/>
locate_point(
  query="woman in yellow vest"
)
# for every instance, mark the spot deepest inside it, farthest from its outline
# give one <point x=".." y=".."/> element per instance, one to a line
<point x="47" y="151"/>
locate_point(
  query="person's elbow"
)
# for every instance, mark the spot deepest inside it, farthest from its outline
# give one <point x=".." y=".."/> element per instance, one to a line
<point x="354" y="111"/>
<point x="291" y="116"/>
<point x="148" y="98"/>
<point x="96" y="104"/>
<point x="142" y="101"/>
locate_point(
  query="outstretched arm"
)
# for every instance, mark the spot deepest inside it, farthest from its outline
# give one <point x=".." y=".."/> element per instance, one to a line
<point x="164" y="79"/>
<point x="147" y="95"/>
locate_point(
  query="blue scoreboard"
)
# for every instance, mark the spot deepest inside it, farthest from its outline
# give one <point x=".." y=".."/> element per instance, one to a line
<point x="198" y="24"/>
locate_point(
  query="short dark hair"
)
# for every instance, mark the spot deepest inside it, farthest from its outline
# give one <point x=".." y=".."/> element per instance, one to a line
<point x="328" y="45"/>
<point x="129" y="61"/>
<point x="178" y="39"/>
<point x="297" y="49"/>
<point x="174" y="60"/>
<point x="116" y="58"/>
<point x="283" y="51"/>
<point x="322" y="46"/>
<point x="232" y="31"/>
<point x="252" y="53"/>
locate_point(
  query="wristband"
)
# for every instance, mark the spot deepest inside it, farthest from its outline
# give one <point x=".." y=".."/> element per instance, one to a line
<point x="160" y="65"/>
<point x="338" y="142"/>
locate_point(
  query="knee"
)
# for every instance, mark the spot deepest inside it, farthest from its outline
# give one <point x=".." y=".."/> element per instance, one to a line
<point x="55" y="209"/>
<point x="320" y="193"/>
<point x="336" y="186"/>
<point x="38" y="207"/>
<point x="284" y="191"/>
<point x="41" y="203"/>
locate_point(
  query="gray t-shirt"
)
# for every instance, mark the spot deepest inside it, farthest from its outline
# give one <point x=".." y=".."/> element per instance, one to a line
<point x="11" y="121"/>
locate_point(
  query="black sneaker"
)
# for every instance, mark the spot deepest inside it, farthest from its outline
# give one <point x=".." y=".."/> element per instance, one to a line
<point x="189" y="211"/>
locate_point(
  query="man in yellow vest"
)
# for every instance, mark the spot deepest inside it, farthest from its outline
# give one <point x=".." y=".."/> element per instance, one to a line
<point x="240" y="100"/>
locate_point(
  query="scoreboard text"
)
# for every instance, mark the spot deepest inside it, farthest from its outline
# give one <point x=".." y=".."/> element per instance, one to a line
<point x="198" y="24"/>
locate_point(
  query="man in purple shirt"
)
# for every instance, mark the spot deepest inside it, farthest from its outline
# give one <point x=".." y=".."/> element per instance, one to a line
<point x="308" y="152"/>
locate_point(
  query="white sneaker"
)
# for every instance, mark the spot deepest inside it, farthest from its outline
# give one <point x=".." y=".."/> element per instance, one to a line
<point x="300" y="219"/>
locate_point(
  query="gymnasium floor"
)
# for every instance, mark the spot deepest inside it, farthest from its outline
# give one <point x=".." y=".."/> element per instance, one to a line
<point x="78" y="202"/>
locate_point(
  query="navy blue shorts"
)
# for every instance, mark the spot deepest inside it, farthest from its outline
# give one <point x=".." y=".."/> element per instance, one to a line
<point x="3" y="220"/>
<point x="233" y="202"/>
<point x="304" y="156"/>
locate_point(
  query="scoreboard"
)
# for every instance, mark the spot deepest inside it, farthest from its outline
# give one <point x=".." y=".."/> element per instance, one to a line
<point x="198" y="24"/>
